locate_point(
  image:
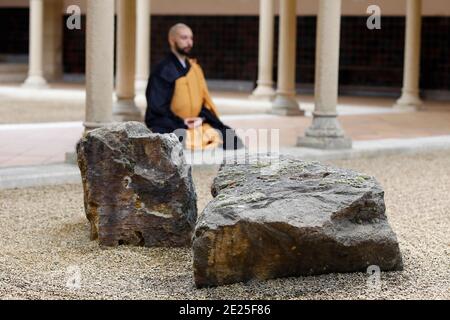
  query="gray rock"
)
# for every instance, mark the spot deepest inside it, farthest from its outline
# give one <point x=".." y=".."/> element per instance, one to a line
<point x="291" y="218"/>
<point x="138" y="189"/>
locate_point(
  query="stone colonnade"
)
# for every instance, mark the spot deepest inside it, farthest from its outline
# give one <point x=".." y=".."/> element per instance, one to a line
<point x="133" y="36"/>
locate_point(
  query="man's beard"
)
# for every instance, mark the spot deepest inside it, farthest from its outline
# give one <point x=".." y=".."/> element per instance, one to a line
<point x="183" y="51"/>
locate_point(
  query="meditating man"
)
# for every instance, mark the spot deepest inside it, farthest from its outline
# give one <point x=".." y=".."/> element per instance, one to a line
<point x="178" y="99"/>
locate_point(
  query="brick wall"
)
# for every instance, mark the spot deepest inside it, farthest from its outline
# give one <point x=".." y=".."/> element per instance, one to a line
<point x="13" y="30"/>
<point x="74" y="47"/>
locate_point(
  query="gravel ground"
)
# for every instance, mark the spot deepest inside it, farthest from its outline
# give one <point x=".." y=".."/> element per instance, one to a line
<point x="45" y="234"/>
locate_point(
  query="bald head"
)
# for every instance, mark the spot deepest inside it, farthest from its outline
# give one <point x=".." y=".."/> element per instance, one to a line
<point x="181" y="39"/>
<point x="173" y="31"/>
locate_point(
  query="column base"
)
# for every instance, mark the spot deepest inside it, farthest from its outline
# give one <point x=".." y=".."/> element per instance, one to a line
<point x="140" y="86"/>
<point x="265" y="93"/>
<point x="286" y="106"/>
<point x="325" y="133"/>
<point x="71" y="157"/>
<point x="408" y="103"/>
<point x="126" y="110"/>
<point x="326" y="143"/>
<point x="35" y="82"/>
<point x="88" y="126"/>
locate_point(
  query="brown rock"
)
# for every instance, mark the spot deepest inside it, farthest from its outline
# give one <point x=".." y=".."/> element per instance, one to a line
<point x="294" y="218"/>
<point x="138" y="189"/>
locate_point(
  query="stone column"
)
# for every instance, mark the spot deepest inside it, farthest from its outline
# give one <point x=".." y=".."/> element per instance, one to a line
<point x="53" y="39"/>
<point x="285" y="102"/>
<point x="36" y="70"/>
<point x="99" y="63"/>
<point x="265" y="90"/>
<point x="125" y="108"/>
<point x="411" y="70"/>
<point x="325" y="131"/>
<point x="142" y="45"/>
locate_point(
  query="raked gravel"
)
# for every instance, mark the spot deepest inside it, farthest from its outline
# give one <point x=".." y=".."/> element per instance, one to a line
<point x="45" y="244"/>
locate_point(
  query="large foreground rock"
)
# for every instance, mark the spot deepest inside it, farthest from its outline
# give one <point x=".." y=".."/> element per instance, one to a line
<point x="137" y="187"/>
<point x="297" y="218"/>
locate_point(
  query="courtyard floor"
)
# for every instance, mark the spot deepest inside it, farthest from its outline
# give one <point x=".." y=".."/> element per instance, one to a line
<point x="45" y="235"/>
<point x="39" y="127"/>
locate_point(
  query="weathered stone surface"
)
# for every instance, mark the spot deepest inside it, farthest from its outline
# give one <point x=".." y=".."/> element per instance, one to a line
<point x="138" y="189"/>
<point x="302" y="218"/>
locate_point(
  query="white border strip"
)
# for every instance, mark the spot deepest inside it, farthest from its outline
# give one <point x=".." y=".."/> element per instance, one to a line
<point x="45" y="125"/>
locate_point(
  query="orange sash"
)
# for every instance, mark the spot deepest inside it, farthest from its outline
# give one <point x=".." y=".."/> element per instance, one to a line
<point x="190" y="94"/>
